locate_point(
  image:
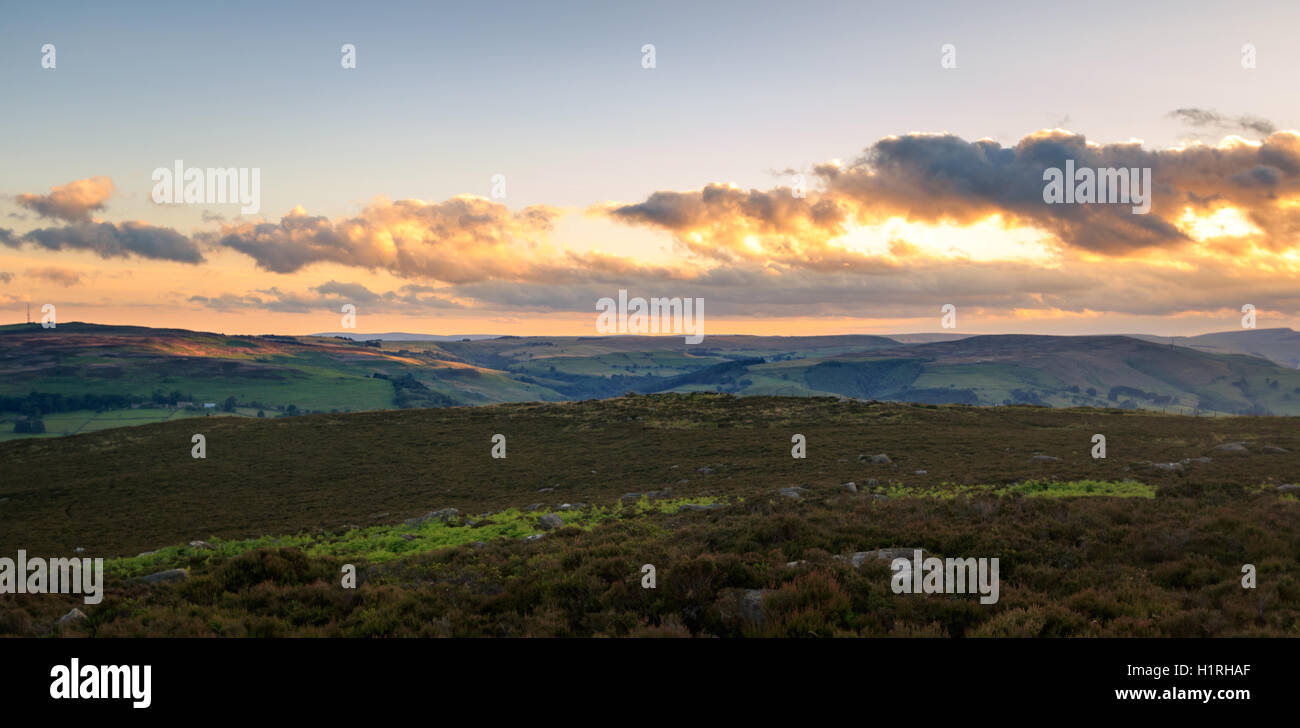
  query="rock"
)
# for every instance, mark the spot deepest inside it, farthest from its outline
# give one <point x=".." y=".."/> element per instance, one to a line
<point x="881" y="459"/>
<point x="683" y="481"/>
<point x="871" y="482"/>
<point x="549" y="521"/>
<point x="1169" y="467"/>
<point x="534" y="537"/>
<point x="572" y="506"/>
<point x="79" y="550"/>
<point x="535" y="507"/>
<point x="795" y="492"/>
<point x="76" y="615"/>
<point x="747" y="604"/>
<point x="482" y="545"/>
<point x="700" y="507"/>
<point x="545" y="490"/>
<point x="1288" y="488"/>
<point x="879" y="497"/>
<point x="850" y="486"/>
<point x="408" y="536"/>
<point x="706" y="470"/>
<point x="170" y="576"/>
<point x="861" y="557"/>
<point x="1189" y="461"/>
<point x="921" y="472"/>
<point x="1234" y="448"/>
<point x="1044" y="459"/>
<point x="664" y="493"/>
<point x="795" y="564"/>
<point x="1273" y="449"/>
<point x="630" y="497"/>
<point x="202" y="546"/>
<point x="145" y="553"/>
<point x="444" y="515"/>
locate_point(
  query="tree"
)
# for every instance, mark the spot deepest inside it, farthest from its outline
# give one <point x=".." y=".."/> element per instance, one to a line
<point x="229" y="406"/>
<point x="261" y="413"/>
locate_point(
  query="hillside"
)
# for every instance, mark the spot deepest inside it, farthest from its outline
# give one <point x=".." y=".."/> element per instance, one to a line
<point x="1148" y="541"/>
<point x="85" y="377"/>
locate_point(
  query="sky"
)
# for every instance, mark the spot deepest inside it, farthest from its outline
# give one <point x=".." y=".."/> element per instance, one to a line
<point x="498" y="168"/>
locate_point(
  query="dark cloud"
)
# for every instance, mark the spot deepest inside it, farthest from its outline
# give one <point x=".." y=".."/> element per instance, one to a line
<point x="115" y="240"/>
<point x="1212" y="119"/>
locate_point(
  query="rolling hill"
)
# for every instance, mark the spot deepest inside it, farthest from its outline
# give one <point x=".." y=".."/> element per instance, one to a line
<point x="83" y="377"/>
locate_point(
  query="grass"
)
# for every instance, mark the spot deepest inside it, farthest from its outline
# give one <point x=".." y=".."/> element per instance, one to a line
<point x="380" y="544"/>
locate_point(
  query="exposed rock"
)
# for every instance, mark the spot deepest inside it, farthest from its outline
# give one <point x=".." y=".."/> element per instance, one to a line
<point x="481" y="544"/>
<point x="1044" y="459"/>
<point x="76" y="615"/>
<point x="795" y="564"/>
<point x="170" y="576"/>
<point x="535" y="507"/>
<point x="549" y="521"/>
<point x="444" y="515"/>
<point x="1273" y="449"/>
<point x="861" y="557"/>
<point x="572" y="506"/>
<point x="879" y="497"/>
<point x="545" y="490"/>
<point x="743" y="604"/>
<point x="881" y="459"/>
<point x="145" y="553"/>
<point x="1288" y="488"/>
<point x="534" y="537"/>
<point x="683" y="481"/>
<point x="1189" y="461"/>
<point x="871" y="482"/>
<point x="700" y="507"/>
<point x="664" y="493"/>
<point x="1234" y="448"/>
<point x="921" y="472"/>
<point x="408" y="536"/>
<point x="795" y="492"/>
<point x="706" y="470"/>
<point x="850" y="486"/>
<point x="202" y="545"/>
<point x="1169" y="467"/>
<point x="79" y="550"/>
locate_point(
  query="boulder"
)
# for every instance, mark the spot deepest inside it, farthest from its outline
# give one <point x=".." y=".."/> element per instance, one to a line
<point x="850" y="486"/>
<point x="1288" y="488"/>
<point x="706" y="470"/>
<point x="535" y="507"/>
<point x="572" y="506"/>
<point x="76" y="615"/>
<point x="795" y="492"/>
<point x="170" y="576"/>
<point x="1168" y="467"/>
<point x="1233" y="448"/>
<point x="534" y="537"/>
<point x="862" y="557"/>
<point x="881" y="459"/>
<point x="202" y="546"/>
<point x="549" y="521"/>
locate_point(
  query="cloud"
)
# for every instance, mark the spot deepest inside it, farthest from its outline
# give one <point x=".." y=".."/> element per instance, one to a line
<point x="1213" y="119"/>
<point x="62" y="276"/>
<point x="330" y="296"/>
<point x="114" y="240"/>
<point x="943" y="179"/>
<point x="461" y="239"/>
<point x="72" y="202"/>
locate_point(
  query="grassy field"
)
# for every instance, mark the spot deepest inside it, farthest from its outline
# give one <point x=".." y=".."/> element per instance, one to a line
<point x="1114" y="546"/>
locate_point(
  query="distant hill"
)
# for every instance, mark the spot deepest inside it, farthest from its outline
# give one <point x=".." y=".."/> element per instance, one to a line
<point x="1281" y="346"/>
<point x="402" y="336"/>
<point x="82" y="377"/>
